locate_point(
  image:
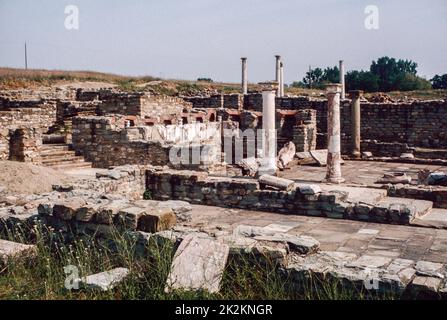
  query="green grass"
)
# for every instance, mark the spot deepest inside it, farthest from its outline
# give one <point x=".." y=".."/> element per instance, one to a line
<point x="245" y="277"/>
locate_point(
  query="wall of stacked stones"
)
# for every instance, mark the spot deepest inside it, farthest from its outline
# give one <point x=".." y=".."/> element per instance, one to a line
<point x="41" y="117"/>
<point x="105" y="142"/>
<point x="199" y="188"/>
<point x="144" y="105"/>
<point x="418" y="123"/>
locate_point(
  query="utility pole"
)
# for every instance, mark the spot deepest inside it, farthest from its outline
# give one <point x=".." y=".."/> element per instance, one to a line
<point x="26" y="59"/>
<point x="310" y="77"/>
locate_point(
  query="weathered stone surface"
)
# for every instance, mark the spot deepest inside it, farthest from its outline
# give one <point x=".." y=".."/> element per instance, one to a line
<point x="430" y="269"/>
<point x="13" y="250"/>
<point x="285" y="155"/>
<point x="107" y="213"/>
<point x="198" y="264"/>
<point x="309" y="189"/>
<point x="67" y="210"/>
<point x="128" y="217"/>
<point x="104" y="281"/>
<point x="182" y="209"/>
<point x="87" y="212"/>
<point x="299" y="244"/>
<point x="157" y="219"/>
<point x="279" y="183"/>
<point x="252" y="231"/>
<point x="320" y="156"/>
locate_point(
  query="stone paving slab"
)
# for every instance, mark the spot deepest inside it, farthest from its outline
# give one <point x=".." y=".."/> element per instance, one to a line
<point x="357" y="172"/>
<point x="406" y="242"/>
<point x="399" y="258"/>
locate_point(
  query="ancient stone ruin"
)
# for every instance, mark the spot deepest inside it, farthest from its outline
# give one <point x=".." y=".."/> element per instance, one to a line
<point x="331" y="186"/>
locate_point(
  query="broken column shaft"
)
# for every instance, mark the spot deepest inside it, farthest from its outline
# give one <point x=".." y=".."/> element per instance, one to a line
<point x="281" y="80"/>
<point x="278" y="73"/>
<point x="342" y="79"/>
<point x="333" y="173"/>
<point x="244" y="76"/>
<point x="268" y="165"/>
<point x="355" y="122"/>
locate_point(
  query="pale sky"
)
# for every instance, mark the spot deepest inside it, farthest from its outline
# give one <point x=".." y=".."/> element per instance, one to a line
<point x="187" y="39"/>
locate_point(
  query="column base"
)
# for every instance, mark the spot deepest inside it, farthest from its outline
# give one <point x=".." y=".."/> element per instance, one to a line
<point x="356" y="154"/>
<point x="335" y="180"/>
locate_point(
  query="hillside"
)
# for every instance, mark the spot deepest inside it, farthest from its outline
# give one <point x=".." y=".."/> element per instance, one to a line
<point x="11" y="78"/>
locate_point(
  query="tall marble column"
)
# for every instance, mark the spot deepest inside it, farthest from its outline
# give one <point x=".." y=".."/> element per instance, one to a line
<point x="244" y="75"/>
<point x="355" y="122"/>
<point x="278" y="73"/>
<point x="268" y="163"/>
<point x="333" y="174"/>
<point x="342" y="79"/>
<point x="281" y="79"/>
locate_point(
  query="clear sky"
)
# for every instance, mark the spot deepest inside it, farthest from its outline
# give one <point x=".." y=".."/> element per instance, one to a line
<point x="187" y="39"/>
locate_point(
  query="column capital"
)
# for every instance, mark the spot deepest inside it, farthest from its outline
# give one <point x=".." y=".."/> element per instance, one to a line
<point x="277" y="57"/>
<point x="269" y="85"/>
<point x="333" y="88"/>
<point x="244" y="58"/>
<point x="356" y="93"/>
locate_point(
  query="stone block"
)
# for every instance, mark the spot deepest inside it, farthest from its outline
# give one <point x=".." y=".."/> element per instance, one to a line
<point x="156" y="219"/>
<point x="198" y="264"/>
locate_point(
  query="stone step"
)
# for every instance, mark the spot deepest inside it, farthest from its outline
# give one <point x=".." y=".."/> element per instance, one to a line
<point x="57" y="153"/>
<point x="436" y="218"/>
<point x="78" y="165"/>
<point x="54" y="146"/>
<point x="68" y="158"/>
<point x="417" y="208"/>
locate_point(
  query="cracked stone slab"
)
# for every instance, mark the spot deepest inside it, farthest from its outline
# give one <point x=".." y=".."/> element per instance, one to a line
<point x="12" y="250"/>
<point x="430" y="269"/>
<point x="368" y="261"/>
<point x="104" y="281"/>
<point x="198" y="264"/>
<point x="299" y="244"/>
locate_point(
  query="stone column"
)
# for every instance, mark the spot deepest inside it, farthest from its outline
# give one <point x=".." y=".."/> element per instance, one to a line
<point x="278" y="73"/>
<point x="268" y="164"/>
<point x="333" y="173"/>
<point x="281" y="79"/>
<point x="355" y="122"/>
<point x="244" y="75"/>
<point x="342" y="79"/>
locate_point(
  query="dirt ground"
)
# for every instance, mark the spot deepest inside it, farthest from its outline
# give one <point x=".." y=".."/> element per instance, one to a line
<point x="23" y="178"/>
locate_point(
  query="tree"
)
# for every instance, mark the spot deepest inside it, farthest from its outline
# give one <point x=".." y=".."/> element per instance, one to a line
<point x="313" y="77"/>
<point x="439" y="82"/>
<point x="331" y="75"/>
<point x="396" y="74"/>
<point x="361" y="80"/>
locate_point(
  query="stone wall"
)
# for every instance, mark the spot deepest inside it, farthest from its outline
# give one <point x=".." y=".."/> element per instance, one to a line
<point x="418" y="123"/>
<point x="25" y="145"/>
<point x="199" y="188"/>
<point x="33" y="117"/>
<point x="105" y="141"/>
<point x="305" y="131"/>
<point x="162" y="108"/>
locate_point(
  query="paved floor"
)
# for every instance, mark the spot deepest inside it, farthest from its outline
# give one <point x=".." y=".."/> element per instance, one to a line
<point x="358" y="172"/>
<point x="406" y="242"/>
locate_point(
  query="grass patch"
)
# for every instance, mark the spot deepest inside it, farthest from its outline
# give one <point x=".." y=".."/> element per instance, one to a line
<point x="245" y="276"/>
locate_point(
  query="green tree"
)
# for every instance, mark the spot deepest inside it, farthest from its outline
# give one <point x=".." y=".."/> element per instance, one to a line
<point x="313" y="78"/>
<point x="439" y="82"/>
<point x="361" y="80"/>
<point x="396" y="74"/>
